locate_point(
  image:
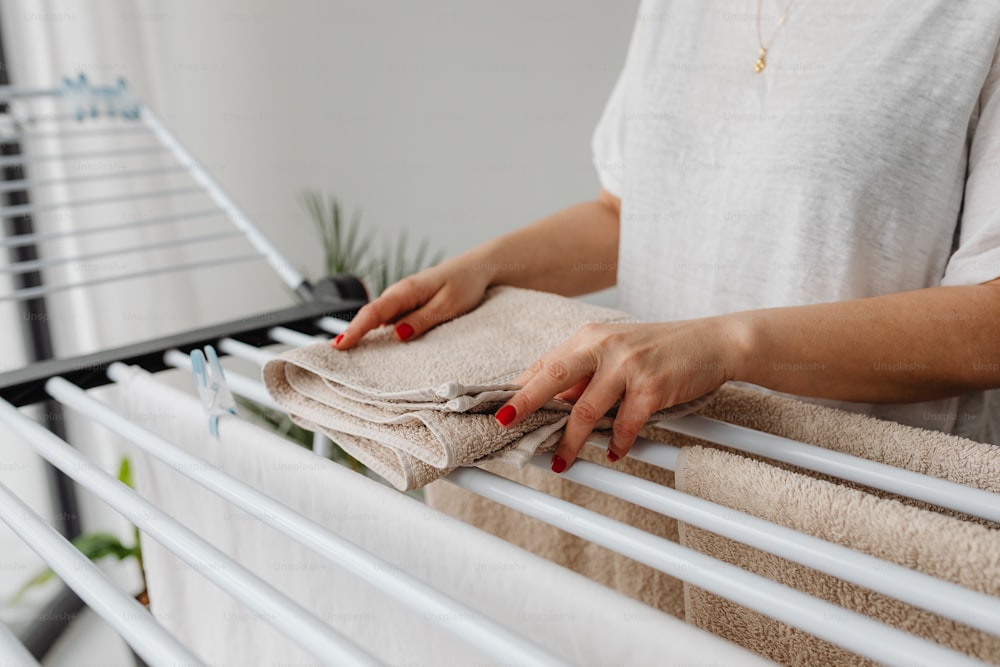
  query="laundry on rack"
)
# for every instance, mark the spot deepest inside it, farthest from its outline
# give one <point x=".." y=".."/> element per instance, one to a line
<point x="920" y="539"/>
<point x="572" y="617"/>
<point x="414" y="412"/>
<point x="928" y="452"/>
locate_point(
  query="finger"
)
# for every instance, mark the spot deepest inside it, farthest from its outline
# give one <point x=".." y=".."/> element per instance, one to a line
<point x="571" y="395"/>
<point x="558" y="372"/>
<point x="530" y="372"/>
<point x="632" y="416"/>
<point x="440" y="309"/>
<point x="595" y="402"/>
<point x="394" y="302"/>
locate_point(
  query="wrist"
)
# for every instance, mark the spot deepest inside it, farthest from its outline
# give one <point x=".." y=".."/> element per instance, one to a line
<point x="742" y="335"/>
<point x="492" y="264"/>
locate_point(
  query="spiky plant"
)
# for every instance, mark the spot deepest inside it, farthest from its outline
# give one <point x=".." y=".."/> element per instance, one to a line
<point x="345" y="247"/>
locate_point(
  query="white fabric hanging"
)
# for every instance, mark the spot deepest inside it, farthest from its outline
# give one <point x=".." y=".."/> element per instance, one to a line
<point x="564" y="612"/>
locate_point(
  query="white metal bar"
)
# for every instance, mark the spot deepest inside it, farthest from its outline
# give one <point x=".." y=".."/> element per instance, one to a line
<point x="23" y="209"/>
<point x="240" y="384"/>
<point x="921" y="590"/>
<point x="258" y="595"/>
<point x="32" y="292"/>
<point x="13" y="160"/>
<point x="121" y="611"/>
<point x="34" y="184"/>
<point x="853" y="631"/>
<point x="28" y="239"/>
<point x="288" y="273"/>
<point x="322" y="445"/>
<point x="35" y="264"/>
<point x="333" y="325"/>
<point x="933" y="490"/>
<point x="242" y="350"/>
<point x="287" y="336"/>
<point x="648" y="451"/>
<point x="12" y="652"/>
<point x="32" y="135"/>
<point x="14" y="92"/>
<point x="466" y="623"/>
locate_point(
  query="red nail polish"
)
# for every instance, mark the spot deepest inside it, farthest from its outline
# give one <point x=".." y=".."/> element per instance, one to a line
<point x="558" y="463"/>
<point x="404" y="331"/>
<point x="612" y="456"/>
<point x="506" y="415"/>
<point x="336" y="341"/>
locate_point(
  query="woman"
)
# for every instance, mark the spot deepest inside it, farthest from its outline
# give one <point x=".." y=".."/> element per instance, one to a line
<point x="802" y="197"/>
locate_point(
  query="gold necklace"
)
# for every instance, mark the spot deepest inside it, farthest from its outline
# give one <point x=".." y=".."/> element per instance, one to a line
<point x="761" y="63"/>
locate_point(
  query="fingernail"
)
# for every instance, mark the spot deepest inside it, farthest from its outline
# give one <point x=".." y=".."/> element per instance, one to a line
<point x="558" y="463"/>
<point x="506" y="415"/>
<point x="336" y="341"/>
<point x="612" y="456"/>
<point x="404" y="331"/>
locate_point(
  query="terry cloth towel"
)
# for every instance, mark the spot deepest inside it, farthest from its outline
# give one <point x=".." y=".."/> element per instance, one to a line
<point x="962" y="552"/>
<point x="929" y="452"/>
<point x="414" y="412"/>
<point x="571" y="616"/>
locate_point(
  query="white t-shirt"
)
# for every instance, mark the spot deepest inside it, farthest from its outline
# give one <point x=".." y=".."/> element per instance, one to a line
<point x="864" y="160"/>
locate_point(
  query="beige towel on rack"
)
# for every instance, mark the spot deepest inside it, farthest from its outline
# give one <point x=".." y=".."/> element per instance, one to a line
<point x="414" y="412"/>
<point x="962" y="552"/>
<point x="572" y="617"/>
<point x="928" y="452"/>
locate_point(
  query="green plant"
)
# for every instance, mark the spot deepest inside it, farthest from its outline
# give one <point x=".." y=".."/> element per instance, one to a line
<point x="345" y="248"/>
<point x="349" y="249"/>
<point x="97" y="546"/>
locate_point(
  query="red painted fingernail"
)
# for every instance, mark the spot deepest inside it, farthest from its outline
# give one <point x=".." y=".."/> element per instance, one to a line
<point x="404" y="331"/>
<point x="612" y="456"/>
<point x="336" y="341"/>
<point x="506" y="415"/>
<point x="558" y="463"/>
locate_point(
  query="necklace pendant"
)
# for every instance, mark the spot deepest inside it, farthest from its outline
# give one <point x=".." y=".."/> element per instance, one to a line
<point x="761" y="63"/>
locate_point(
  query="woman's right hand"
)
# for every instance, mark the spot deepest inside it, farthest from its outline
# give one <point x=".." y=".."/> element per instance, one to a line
<point x="422" y="301"/>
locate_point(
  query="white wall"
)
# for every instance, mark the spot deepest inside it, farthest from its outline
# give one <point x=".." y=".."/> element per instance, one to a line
<point x="455" y="120"/>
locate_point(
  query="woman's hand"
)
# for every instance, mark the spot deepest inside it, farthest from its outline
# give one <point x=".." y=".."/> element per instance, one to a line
<point x="647" y="366"/>
<point x="421" y="301"/>
<point x="546" y="256"/>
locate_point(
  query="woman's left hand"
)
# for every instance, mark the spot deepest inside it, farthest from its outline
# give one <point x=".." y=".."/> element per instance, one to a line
<point x="646" y="366"/>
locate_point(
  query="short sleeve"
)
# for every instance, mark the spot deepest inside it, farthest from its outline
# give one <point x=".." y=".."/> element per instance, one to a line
<point x="609" y="140"/>
<point x="977" y="257"/>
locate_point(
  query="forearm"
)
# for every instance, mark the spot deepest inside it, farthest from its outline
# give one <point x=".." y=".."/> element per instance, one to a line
<point x="571" y="252"/>
<point x="898" y="348"/>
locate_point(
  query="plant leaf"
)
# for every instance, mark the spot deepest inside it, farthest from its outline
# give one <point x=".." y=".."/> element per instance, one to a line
<point x="36" y="580"/>
<point x="125" y="472"/>
<point x="98" y="545"/>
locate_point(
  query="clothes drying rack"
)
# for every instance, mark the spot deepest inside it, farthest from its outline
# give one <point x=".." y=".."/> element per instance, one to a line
<point x="326" y="307"/>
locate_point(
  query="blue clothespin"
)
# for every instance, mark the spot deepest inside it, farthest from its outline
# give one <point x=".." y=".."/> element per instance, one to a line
<point x="87" y="100"/>
<point x="212" y="387"/>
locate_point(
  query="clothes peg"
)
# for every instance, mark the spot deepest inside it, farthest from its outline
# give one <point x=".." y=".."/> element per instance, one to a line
<point x="76" y="93"/>
<point x="213" y="390"/>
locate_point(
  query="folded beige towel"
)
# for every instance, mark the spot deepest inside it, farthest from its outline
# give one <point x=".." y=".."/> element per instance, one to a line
<point x="962" y="552"/>
<point x="414" y="412"/>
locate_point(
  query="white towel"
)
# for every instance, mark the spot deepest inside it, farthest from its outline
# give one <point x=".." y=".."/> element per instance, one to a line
<point x="414" y="412"/>
<point x="571" y="616"/>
